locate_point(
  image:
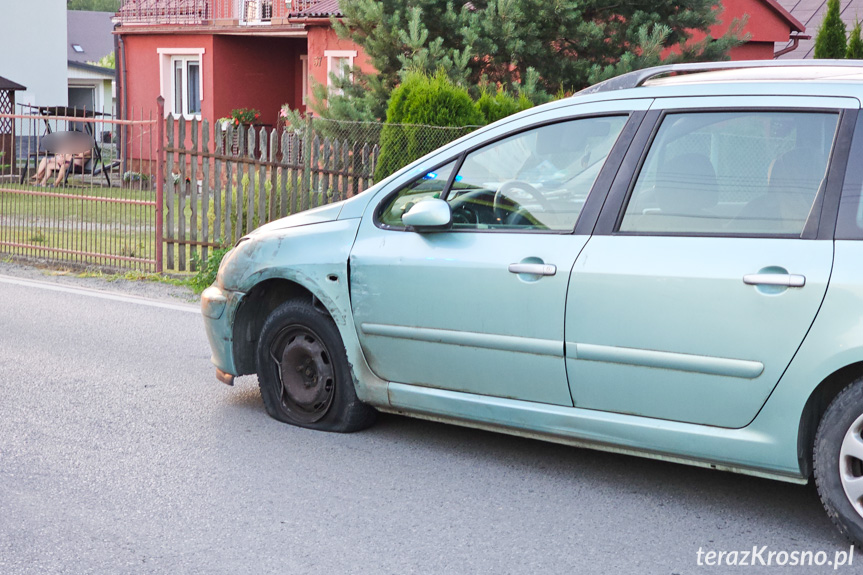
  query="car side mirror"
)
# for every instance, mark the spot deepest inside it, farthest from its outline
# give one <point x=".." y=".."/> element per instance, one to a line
<point x="431" y="215"/>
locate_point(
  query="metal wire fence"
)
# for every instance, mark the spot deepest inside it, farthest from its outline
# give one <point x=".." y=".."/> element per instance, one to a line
<point x="78" y="187"/>
<point x="400" y="144"/>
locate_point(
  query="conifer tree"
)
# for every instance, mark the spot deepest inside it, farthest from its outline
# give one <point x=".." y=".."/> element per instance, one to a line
<point x="855" y="43"/>
<point x="530" y="47"/>
<point x="830" y="41"/>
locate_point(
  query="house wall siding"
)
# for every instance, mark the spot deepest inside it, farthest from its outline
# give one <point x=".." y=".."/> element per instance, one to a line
<point x="144" y="76"/>
<point x="753" y="51"/>
<point x="324" y="38"/>
<point x="764" y="25"/>
<point x="143" y="69"/>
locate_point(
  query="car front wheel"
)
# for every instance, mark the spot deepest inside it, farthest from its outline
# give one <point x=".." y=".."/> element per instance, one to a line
<point x="838" y="461"/>
<point x="303" y="371"/>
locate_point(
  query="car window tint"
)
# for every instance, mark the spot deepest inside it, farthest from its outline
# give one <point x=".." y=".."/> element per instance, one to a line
<point x="429" y="185"/>
<point x="535" y="180"/>
<point x="748" y="173"/>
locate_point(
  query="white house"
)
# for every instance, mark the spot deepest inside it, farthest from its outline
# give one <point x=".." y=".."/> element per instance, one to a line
<point x="89" y="39"/>
<point x="33" y="45"/>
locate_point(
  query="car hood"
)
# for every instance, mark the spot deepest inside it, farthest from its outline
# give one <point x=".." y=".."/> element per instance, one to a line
<point x="326" y="213"/>
<point x="346" y="209"/>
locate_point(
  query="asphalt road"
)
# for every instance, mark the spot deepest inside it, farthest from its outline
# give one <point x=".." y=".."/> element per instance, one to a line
<point x="121" y="453"/>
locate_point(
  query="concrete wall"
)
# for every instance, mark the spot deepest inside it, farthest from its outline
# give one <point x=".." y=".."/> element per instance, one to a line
<point x="33" y="49"/>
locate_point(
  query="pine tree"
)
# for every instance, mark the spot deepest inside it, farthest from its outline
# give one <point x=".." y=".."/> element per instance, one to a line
<point x="855" y="43"/>
<point x="830" y="41"/>
<point x="531" y="47"/>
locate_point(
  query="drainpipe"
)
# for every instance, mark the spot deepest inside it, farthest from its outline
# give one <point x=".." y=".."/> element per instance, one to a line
<point x="310" y="21"/>
<point x="795" y="41"/>
<point x="124" y="101"/>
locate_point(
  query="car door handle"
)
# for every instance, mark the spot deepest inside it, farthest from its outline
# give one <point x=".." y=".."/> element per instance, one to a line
<point x="784" y="280"/>
<point x="533" y="269"/>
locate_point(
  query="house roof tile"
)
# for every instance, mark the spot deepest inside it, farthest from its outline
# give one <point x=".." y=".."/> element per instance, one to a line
<point x="92" y="32"/>
<point x="321" y="9"/>
<point x="6" y="84"/>
<point x="810" y="13"/>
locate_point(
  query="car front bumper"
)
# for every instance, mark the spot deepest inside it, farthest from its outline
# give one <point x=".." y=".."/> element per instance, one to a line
<point x="219" y="307"/>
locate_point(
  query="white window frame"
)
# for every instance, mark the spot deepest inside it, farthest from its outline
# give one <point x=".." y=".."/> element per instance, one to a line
<point x="332" y="55"/>
<point x="257" y="6"/>
<point x="304" y="70"/>
<point x="167" y="88"/>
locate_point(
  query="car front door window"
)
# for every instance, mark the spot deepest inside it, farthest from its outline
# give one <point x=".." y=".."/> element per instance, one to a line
<point x="430" y="184"/>
<point x="534" y="180"/>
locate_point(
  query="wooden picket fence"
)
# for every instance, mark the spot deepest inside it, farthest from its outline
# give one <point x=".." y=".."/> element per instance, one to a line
<point x="222" y="182"/>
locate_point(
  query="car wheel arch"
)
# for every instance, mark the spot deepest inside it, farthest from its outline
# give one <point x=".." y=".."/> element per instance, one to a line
<point x="255" y="307"/>
<point x="820" y="398"/>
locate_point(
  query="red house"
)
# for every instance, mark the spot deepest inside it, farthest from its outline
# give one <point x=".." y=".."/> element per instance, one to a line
<point x="768" y="23"/>
<point x="207" y="57"/>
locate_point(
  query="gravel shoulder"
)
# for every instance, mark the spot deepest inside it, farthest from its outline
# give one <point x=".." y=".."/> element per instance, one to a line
<point x="138" y="287"/>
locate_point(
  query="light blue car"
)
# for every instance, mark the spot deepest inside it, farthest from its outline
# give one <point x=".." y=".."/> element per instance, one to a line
<point x="668" y="266"/>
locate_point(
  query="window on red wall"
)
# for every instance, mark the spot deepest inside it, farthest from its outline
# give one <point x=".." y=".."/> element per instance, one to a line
<point x="186" y="86"/>
<point x="339" y="63"/>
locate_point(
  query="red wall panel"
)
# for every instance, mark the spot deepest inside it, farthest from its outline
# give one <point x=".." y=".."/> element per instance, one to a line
<point x="257" y="72"/>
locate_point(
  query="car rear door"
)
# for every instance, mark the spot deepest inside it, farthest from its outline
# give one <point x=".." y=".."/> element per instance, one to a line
<point x="710" y="259"/>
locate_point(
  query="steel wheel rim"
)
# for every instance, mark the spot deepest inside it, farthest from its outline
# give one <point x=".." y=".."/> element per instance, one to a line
<point x="851" y="465"/>
<point x="307" y="378"/>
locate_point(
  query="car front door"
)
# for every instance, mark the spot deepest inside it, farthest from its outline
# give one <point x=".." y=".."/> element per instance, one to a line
<point x="479" y="307"/>
<point x="709" y="265"/>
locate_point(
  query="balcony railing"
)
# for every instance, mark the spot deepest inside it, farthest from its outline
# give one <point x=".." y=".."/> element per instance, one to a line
<point x="244" y="12"/>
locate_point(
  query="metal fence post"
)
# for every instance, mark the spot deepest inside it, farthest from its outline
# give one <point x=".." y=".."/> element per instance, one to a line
<point x="160" y="179"/>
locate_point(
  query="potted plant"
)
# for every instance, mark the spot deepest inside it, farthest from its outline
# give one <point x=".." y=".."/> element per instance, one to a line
<point x="240" y="119"/>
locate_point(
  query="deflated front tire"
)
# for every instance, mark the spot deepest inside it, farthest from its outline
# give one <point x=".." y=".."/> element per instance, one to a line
<point x="303" y="371"/>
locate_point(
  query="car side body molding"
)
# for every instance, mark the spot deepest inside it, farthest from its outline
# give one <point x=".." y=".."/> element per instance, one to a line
<point x="472" y="339"/>
<point x="665" y="360"/>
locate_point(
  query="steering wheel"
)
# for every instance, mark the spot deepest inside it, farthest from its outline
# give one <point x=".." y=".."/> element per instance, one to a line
<point x="500" y="194"/>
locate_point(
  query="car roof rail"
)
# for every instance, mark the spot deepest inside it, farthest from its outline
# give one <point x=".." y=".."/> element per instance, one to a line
<point x="639" y="77"/>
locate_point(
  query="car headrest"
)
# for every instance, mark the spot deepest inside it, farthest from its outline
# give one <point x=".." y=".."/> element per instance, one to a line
<point x="686" y="185"/>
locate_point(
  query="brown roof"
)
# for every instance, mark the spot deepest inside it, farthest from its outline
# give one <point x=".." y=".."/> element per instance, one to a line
<point x="6" y="84"/>
<point x="322" y="9"/>
<point x="810" y="13"/>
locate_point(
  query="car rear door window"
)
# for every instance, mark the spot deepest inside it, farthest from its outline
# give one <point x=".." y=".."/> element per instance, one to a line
<point x="734" y="172"/>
